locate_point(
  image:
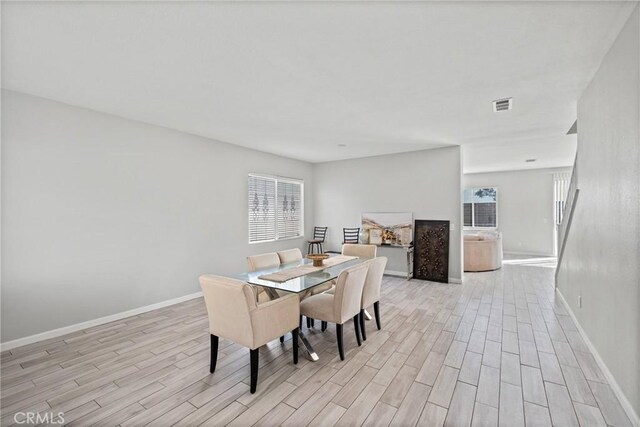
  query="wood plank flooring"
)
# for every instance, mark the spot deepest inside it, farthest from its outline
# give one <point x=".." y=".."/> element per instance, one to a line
<point x="499" y="350"/>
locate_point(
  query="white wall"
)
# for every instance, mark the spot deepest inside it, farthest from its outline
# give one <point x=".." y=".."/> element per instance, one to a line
<point x="525" y="208"/>
<point x="426" y="183"/>
<point x="602" y="257"/>
<point x="101" y="214"/>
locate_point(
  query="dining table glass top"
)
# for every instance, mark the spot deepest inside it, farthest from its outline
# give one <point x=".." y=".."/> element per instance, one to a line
<point x="298" y="284"/>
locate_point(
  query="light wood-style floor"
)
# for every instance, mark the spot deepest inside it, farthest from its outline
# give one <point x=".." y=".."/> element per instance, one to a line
<point x="498" y="350"/>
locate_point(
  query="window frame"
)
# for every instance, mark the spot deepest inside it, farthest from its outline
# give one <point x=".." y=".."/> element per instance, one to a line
<point x="276" y="179"/>
<point x="475" y="227"/>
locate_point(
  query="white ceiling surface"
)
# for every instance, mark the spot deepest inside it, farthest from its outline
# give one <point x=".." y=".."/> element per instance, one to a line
<point x="297" y="79"/>
<point x="552" y="152"/>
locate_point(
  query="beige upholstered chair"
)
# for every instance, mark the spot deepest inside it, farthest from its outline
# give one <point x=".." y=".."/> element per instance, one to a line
<point x="235" y="315"/>
<point x="340" y="306"/>
<point x="361" y="251"/>
<point x="290" y="255"/>
<point x="482" y="251"/>
<point x="371" y="291"/>
<point x="351" y="249"/>
<point x="260" y="262"/>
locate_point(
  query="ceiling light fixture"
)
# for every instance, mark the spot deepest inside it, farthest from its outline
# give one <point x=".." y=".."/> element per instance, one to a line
<point x="502" y="104"/>
<point x="342" y="145"/>
<point x="530" y="160"/>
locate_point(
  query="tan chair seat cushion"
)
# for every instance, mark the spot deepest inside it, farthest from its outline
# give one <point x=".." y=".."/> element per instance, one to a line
<point x="319" y="307"/>
<point x="322" y="288"/>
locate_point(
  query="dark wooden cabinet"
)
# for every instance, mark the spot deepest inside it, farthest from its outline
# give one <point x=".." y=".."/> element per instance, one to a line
<point x="431" y="250"/>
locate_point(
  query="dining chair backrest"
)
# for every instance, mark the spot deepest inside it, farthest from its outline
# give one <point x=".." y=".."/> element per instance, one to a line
<point x="319" y="233"/>
<point x="229" y="303"/>
<point x="351" y="235"/>
<point x="290" y="255"/>
<point x="361" y="251"/>
<point x="373" y="282"/>
<point x="262" y="261"/>
<point x="348" y="292"/>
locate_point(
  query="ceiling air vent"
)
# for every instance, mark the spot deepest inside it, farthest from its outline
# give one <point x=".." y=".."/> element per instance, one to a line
<point x="502" y="105"/>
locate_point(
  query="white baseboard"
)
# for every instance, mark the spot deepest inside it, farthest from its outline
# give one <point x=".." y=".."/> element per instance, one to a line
<point x="404" y="274"/>
<point x="626" y="405"/>
<point x="529" y="254"/>
<point x="396" y="273"/>
<point x="95" y="322"/>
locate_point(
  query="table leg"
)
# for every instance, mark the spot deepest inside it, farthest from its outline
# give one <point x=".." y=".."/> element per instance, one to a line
<point x="305" y="344"/>
<point x="409" y="263"/>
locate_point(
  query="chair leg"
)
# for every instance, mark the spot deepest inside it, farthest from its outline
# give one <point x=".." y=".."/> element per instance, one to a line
<point x="323" y="326"/>
<point x="282" y="339"/>
<point x="254" y="370"/>
<point x="300" y="326"/>
<point x="214" y="353"/>
<point x="340" y="343"/>
<point x="356" y="326"/>
<point x="363" y="329"/>
<point x="308" y="323"/>
<point x="321" y="250"/>
<point x="376" y="309"/>
<point x="309" y="248"/>
<point x="294" y="339"/>
<point x="313" y="323"/>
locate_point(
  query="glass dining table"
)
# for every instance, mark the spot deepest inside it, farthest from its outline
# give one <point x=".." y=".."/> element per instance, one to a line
<point x="300" y="285"/>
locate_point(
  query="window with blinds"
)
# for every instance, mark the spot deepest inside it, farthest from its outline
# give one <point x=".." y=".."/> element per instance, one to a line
<point x="275" y="208"/>
<point x="480" y="207"/>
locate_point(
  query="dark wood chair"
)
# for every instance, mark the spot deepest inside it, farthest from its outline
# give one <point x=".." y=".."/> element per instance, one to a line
<point x="319" y="234"/>
<point x="351" y="235"/>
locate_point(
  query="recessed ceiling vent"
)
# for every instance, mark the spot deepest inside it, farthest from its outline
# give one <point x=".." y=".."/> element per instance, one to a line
<point x="502" y="105"/>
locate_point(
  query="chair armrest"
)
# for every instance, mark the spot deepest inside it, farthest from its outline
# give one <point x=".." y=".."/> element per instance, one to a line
<point x="275" y="318"/>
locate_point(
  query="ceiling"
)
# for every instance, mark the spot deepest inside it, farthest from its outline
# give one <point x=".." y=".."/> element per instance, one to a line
<point x="550" y="152"/>
<point x="299" y="79"/>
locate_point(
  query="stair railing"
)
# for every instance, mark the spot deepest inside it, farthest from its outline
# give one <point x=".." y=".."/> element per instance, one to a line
<point x="567" y="215"/>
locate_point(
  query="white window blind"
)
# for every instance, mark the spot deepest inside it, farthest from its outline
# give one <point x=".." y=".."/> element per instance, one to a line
<point x="289" y="209"/>
<point x="275" y="208"/>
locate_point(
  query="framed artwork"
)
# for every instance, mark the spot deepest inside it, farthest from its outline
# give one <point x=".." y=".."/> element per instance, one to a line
<point x="388" y="228"/>
<point x="431" y="251"/>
